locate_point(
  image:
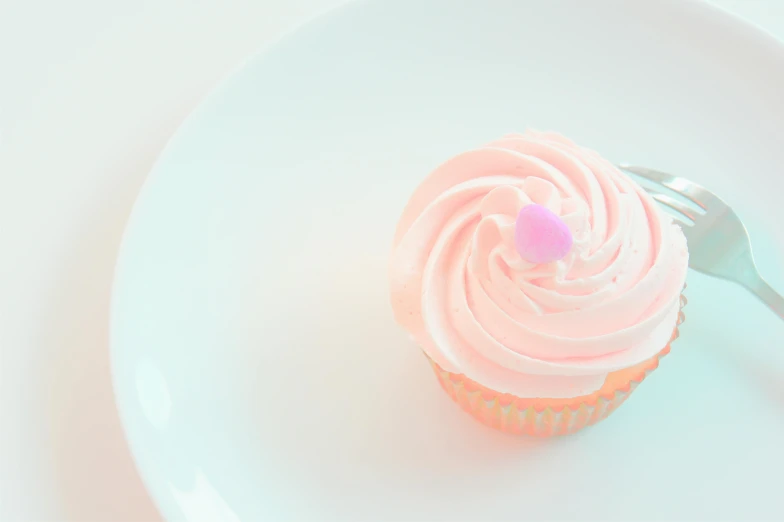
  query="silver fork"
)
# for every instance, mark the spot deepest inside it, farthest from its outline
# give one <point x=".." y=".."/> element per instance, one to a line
<point x="718" y="242"/>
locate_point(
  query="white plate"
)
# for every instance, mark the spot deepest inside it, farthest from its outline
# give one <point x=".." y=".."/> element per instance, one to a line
<point x="258" y="371"/>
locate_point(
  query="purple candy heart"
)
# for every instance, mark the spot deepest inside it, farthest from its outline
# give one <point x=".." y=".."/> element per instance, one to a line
<point x="540" y="235"/>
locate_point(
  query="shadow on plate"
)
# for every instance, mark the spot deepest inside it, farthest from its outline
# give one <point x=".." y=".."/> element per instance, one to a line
<point x="361" y="406"/>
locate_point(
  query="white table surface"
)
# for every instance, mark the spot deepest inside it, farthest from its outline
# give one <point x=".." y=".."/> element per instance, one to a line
<point x="90" y="90"/>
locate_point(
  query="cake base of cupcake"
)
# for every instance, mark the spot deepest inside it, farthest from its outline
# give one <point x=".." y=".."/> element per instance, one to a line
<point x="542" y="417"/>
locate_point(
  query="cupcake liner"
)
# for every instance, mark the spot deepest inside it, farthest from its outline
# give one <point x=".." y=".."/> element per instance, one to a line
<point x="549" y="417"/>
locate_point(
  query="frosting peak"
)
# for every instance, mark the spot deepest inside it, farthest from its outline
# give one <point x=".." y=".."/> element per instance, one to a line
<point x="550" y="329"/>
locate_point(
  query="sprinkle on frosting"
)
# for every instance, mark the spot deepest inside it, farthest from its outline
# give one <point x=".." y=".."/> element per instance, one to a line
<point x="540" y="235"/>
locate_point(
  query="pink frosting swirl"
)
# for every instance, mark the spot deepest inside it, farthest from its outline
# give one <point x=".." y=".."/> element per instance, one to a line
<point x="553" y="330"/>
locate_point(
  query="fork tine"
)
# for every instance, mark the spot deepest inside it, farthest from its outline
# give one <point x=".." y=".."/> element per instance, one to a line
<point x="657" y="176"/>
<point x="674" y="204"/>
<point x="688" y="189"/>
<point x="681" y="223"/>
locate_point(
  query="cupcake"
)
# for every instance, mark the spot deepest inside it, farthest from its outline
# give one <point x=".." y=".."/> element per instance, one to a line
<point x="541" y="282"/>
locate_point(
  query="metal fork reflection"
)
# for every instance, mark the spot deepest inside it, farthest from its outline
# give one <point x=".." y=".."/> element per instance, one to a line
<point x="718" y="242"/>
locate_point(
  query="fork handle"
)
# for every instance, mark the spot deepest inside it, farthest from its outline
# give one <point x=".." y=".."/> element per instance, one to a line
<point x="765" y="293"/>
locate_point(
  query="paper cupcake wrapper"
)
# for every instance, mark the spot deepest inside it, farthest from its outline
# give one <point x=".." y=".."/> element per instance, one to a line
<point x="536" y="417"/>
